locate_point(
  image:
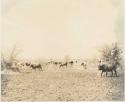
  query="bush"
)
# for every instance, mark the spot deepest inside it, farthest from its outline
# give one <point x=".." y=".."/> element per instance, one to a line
<point x="7" y="58"/>
<point x="112" y="54"/>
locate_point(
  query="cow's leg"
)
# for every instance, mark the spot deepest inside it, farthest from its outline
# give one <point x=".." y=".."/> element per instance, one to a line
<point x="106" y="73"/>
<point x="112" y="73"/>
<point x="101" y="73"/>
<point x="115" y="72"/>
<point x="41" y="69"/>
<point x="32" y="69"/>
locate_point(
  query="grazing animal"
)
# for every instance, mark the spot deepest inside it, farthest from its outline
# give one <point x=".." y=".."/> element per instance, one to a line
<point x="60" y="62"/>
<point x="27" y="64"/>
<point x="107" y="68"/>
<point x="55" y="63"/>
<point x="65" y="64"/>
<point x="84" y="65"/>
<point x="71" y="62"/>
<point x="36" y="67"/>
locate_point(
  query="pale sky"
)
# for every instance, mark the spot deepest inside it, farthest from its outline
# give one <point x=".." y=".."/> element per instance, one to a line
<point x="56" y="28"/>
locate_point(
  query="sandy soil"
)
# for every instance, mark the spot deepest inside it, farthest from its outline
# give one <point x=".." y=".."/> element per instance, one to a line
<point x="72" y="84"/>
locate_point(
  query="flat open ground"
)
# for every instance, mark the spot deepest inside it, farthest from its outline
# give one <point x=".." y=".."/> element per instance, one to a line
<point x="72" y="84"/>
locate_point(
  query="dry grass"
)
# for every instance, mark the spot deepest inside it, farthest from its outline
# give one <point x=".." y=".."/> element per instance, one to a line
<point x="73" y="84"/>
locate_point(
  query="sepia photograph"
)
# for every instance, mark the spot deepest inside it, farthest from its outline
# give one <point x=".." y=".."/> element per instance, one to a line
<point x="62" y="50"/>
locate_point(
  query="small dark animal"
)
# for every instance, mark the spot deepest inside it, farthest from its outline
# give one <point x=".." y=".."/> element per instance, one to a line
<point x="83" y="64"/>
<point x="36" y="67"/>
<point x="65" y="64"/>
<point x="55" y="63"/>
<point x="71" y="62"/>
<point x="27" y="64"/>
<point x="60" y="62"/>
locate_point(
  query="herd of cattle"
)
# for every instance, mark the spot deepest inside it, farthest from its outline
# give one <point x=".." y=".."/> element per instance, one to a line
<point x="103" y="67"/>
<point x="15" y="65"/>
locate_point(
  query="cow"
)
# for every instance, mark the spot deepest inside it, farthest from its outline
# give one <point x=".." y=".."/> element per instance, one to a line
<point x="71" y="62"/>
<point x="34" y="67"/>
<point x="107" y="68"/>
<point x="84" y="65"/>
<point x="64" y="64"/>
<point x="56" y="63"/>
<point x="60" y="62"/>
<point x="27" y="64"/>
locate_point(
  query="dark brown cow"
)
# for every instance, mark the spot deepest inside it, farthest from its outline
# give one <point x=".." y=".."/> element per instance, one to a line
<point x="34" y="67"/>
<point x="56" y="63"/>
<point x="107" y="68"/>
<point x="27" y="64"/>
<point x="65" y="64"/>
<point x="71" y="62"/>
<point x="84" y="65"/>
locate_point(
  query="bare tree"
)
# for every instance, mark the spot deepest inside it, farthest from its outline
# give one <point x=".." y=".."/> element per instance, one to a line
<point x="14" y="53"/>
<point x="10" y="56"/>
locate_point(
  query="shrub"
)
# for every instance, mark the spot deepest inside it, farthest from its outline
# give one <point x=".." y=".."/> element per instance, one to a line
<point x="112" y="54"/>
